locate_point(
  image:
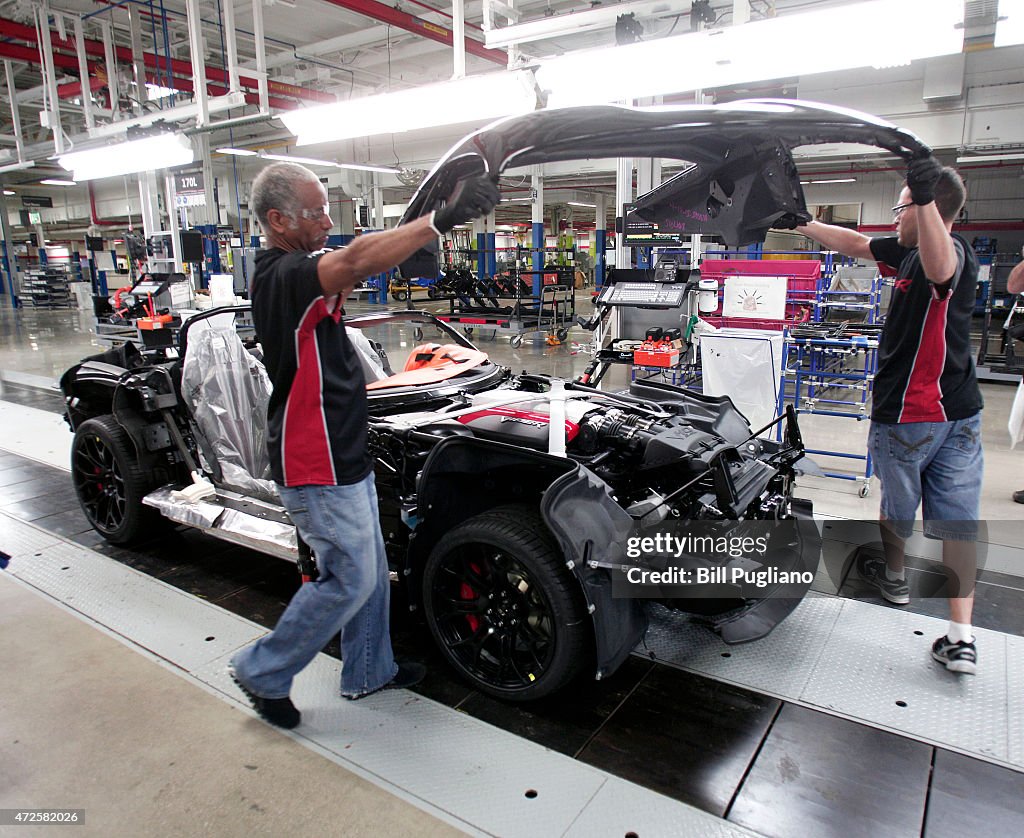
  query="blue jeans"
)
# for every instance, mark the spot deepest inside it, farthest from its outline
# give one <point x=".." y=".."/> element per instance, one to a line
<point x="939" y="463"/>
<point x="352" y="595"/>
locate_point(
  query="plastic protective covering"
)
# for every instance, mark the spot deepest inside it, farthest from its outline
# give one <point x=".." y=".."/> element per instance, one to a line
<point x="228" y="390"/>
<point x="746" y="365"/>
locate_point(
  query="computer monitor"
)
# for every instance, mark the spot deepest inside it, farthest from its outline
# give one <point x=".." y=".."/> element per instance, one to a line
<point x="638" y="232"/>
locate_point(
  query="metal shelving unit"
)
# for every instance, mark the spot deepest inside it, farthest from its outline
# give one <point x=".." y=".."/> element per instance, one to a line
<point x="47" y="286"/>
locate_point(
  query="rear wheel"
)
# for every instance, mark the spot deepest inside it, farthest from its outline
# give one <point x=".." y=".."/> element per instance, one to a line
<point x="503" y="608"/>
<point x="111" y="483"/>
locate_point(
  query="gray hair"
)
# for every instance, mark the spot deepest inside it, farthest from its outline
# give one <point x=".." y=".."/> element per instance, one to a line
<point x="275" y="188"/>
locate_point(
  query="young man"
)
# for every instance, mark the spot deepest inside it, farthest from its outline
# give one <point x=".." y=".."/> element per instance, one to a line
<point x="1015" y="285"/>
<point x="925" y="437"/>
<point x="316" y="434"/>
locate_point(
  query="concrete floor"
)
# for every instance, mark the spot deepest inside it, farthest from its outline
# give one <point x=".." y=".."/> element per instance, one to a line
<point x="144" y="752"/>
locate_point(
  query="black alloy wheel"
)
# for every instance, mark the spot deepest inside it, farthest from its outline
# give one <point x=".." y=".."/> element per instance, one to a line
<point x="110" y="482"/>
<point x="503" y="608"/>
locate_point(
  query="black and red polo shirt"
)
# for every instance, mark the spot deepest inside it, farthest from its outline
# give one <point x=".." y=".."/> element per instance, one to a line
<point x="925" y="363"/>
<point x="317" y="418"/>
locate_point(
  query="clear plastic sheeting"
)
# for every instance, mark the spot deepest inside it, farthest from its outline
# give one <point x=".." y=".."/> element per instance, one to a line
<point x="260" y="533"/>
<point x="373" y="368"/>
<point x="746" y="365"/>
<point x="227" y="391"/>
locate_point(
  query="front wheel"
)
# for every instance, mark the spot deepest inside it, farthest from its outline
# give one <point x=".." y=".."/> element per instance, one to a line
<point x="111" y="483"/>
<point x="503" y="608"/>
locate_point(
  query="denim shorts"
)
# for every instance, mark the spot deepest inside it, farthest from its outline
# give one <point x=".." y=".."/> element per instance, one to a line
<point x="938" y="464"/>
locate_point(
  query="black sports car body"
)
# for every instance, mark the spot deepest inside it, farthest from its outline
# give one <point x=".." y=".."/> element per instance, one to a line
<point x="507" y="501"/>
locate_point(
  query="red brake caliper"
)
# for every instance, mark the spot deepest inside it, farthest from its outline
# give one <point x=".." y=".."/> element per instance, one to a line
<point x="467" y="593"/>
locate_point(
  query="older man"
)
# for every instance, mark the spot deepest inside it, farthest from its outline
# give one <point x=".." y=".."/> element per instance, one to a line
<point x="317" y="424"/>
<point x="925" y="437"/>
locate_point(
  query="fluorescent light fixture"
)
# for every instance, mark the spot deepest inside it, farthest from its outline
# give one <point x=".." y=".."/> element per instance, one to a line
<point x="712" y="58"/>
<point x="986" y="158"/>
<point x="313" y="161"/>
<point x="475" y="98"/>
<point x="837" y="180"/>
<point x="161" y="151"/>
<point x="1010" y="23"/>
<point x="9" y="192"/>
<point x="56" y="182"/>
<point x="581" y="204"/>
<point x="237" y="152"/>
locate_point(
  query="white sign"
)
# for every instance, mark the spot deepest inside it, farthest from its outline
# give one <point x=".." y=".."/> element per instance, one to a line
<point x="756" y="297"/>
<point x="197" y="199"/>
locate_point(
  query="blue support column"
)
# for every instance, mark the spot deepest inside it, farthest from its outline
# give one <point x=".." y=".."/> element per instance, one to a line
<point x="481" y="255"/>
<point x="599" y="263"/>
<point x="538" y="257"/>
<point x="492" y="254"/>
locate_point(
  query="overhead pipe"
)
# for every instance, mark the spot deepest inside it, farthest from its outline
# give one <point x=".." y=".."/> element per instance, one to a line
<point x="418" y="26"/>
<point x="15" y="116"/>
<point x="113" y="86"/>
<point x="261" y="54"/>
<point x="182" y="69"/>
<point x="42" y="17"/>
<point x="195" y="42"/>
<point x="66" y="62"/>
<point x="459" y="39"/>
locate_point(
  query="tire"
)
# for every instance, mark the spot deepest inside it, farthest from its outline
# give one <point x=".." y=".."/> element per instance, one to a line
<point x="515" y="341"/>
<point x="502" y="607"/>
<point x="111" y="483"/>
<point x="561" y="334"/>
<point x="400" y="296"/>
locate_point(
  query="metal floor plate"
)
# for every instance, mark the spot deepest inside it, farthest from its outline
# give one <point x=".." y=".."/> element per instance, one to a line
<point x="20" y="540"/>
<point x="167" y="622"/>
<point x="877" y="667"/>
<point x="458" y="768"/>
<point x="857" y="660"/>
<point x="1015" y="697"/>
<point x="623" y="808"/>
<point x="36" y="434"/>
<point x="779" y="664"/>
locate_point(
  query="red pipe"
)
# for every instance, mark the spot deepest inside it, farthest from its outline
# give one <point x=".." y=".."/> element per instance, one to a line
<point x="13" y="29"/>
<point x="92" y="211"/>
<point x="66" y="91"/>
<point x="418" y="26"/>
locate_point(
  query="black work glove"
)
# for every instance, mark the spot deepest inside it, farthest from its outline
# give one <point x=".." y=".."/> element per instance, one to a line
<point x="922" y="175"/>
<point x="787" y="221"/>
<point x="470" y="199"/>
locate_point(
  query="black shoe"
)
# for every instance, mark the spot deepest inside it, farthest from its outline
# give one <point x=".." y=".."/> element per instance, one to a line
<point x="872" y="571"/>
<point x="409" y="675"/>
<point x="1018" y="497"/>
<point x="958" y="657"/>
<point x="277" y="711"/>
